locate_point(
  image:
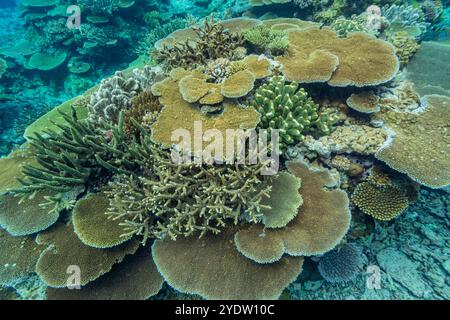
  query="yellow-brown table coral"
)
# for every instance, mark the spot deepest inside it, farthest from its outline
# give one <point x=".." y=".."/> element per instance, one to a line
<point x="321" y="223"/>
<point x="135" y="278"/>
<point x="179" y="114"/>
<point x="319" y="55"/>
<point x="213" y="268"/>
<point x="420" y="144"/>
<point x="364" y="102"/>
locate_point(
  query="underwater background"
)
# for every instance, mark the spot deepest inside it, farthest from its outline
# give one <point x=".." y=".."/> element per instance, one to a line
<point x="46" y="59"/>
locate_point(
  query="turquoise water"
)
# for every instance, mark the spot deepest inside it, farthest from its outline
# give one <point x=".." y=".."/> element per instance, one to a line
<point x="357" y="90"/>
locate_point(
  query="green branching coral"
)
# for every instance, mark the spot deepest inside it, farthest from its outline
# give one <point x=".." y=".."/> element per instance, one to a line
<point x="264" y="38"/>
<point x="173" y="199"/>
<point x="213" y="42"/>
<point x="290" y="110"/>
<point x="68" y="159"/>
<point x="344" y="26"/>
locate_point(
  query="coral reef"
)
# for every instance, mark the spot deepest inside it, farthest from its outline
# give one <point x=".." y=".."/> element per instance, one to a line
<point x="265" y="38"/>
<point x="343" y="27"/>
<point x="405" y="46"/>
<point x="342" y="264"/>
<point x="309" y="233"/>
<point x="364" y="102"/>
<point x="288" y="109"/>
<point x="319" y="55"/>
<point x="410" y="151"/>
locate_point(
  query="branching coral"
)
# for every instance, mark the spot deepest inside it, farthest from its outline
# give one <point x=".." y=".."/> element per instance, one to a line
<point x="212" y="41"/>
<point x="113" y="95"/>
<point x="405" y="46"/>
<point x="344" y="26"/>
<point x="186" y="199"/>
<point x="265" y="38"/>
<point x="290" y="110"/>
<point x="144" y="109"/>
<point x="405" y="16"/>
<point x="342" y="264"/>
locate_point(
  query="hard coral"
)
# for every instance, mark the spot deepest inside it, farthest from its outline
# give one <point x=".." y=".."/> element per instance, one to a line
<point x="265" y="38"/>
<point x="405" y="46"/>
<point x="342" y="264"/>
<point x="322" y="221"/>
<point x="211" y="41"/>
<point x="182" y="264"/>
<point x="113" y="95"/>
<point x="186" y="199"/>
<point x="319" y="55"/>
<point x="419" y="147"/>
<point x="290" y="110"/>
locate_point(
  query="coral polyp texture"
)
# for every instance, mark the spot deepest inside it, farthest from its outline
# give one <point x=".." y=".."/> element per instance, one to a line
<point x="419" y="146"/>
<point x="242" y="158"/>
<point x="319" y="55"/>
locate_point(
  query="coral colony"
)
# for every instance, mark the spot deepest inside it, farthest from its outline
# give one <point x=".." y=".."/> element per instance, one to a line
<point x="242" y="155"/>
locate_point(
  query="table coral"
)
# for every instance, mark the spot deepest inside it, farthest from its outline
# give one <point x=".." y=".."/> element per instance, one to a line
<point x="182" y="264"/>
<point x="410" y="151"/>
<point x="319" y="55"/>
<point x="364" y="102"/>
<point x="64" y="249"/>
<point x="322" y="221"/>
<point x="135" y="278"/>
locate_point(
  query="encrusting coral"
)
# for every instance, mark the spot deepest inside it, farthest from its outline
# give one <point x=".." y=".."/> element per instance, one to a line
<point x="288" y="109"/>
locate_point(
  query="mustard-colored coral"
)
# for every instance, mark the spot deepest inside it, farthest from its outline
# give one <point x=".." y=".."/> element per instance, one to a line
<point x="238" y="84"/>
<point x="405" y="46"/>
<point x="321" y="223"/>
<point x="381" y="202"/>
<point x="191" y="265"/>
<point x="364" y="102"/>
<point x="319" y="55"/>
<point x="179" y="114"/>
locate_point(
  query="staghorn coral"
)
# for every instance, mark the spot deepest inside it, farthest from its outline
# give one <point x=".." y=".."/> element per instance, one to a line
<point x="319" y="55"/>
<point x="381" y="202"/>
<point x="135" y="278"/>
<point x="405" y="46"/>
<point x="18" y="257"/>
<point x="79" y="153"/>
<point x="113" y="95"/>
<point x="64" y="249"/>
<point x="341" y="264"/>
<point x="186" y="199"/>
<point x="290" y="110"/>
<point x="322" y="221"/>
<point x="419" y="146"/>
<point x="264" y="38"/>
<point x="211" y="41"/>
<point x="364" y="102"/>
<point x="182" y="264"/>
<point x="343" y="27"/>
